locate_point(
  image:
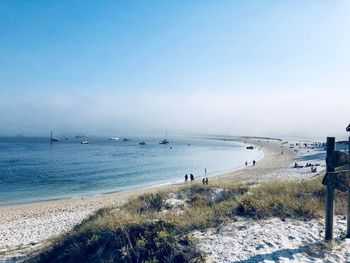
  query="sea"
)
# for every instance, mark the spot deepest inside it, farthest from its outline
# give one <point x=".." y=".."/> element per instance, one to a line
<point x="33" y="169"/>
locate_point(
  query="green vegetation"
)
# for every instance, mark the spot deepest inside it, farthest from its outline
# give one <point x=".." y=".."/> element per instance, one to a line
<point x="151" y="228"/>
<point x="134" y="242"/>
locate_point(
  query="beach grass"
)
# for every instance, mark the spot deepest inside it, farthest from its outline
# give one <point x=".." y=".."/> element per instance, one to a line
<point x="150" y="228"/>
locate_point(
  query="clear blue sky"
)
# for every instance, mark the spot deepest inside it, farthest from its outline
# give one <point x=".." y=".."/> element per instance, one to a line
<point x="70" y="59"/>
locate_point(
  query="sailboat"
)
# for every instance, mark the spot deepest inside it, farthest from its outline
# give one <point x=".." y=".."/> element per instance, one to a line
<point x="53" y="139"/>
<point x="113" y="138"/>
<point x="165" y="141"/>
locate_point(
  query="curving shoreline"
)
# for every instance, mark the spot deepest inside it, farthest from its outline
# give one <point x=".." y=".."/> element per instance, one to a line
<point x="118" y="195"/>
<point x="28" y="225"/>
<point x="272" y="162"/>
<point x="109" y="168"/>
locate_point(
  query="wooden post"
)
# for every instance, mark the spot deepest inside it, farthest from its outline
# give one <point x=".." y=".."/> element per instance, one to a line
<point x="348" y="215"/>
<point x="330" y="193"/>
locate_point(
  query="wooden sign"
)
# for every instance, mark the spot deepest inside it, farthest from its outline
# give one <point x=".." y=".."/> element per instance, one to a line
<point x="339" y="180"/>
<point x="337" y="177"/>
<point x="337" y="159"/>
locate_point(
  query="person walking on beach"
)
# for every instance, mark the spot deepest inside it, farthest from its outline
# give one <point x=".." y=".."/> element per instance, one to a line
<point x="206" y="180"/>
<point x="253" y="162"/>
<point x="192" y="177"/>
<point x="246" y="163"/>
<point x="203" y="181"/>
<point x="186" y="178"/>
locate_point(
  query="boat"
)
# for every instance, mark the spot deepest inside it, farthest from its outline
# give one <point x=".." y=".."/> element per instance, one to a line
<point x="84" y="142"/>
<point x="142" y="143"/>
<point x="113" y="138"/>
<point x="165" y="141"/>
<point x="250" y="147"/>
<point x="126" y="140"/>
<point x="53" y="139"/>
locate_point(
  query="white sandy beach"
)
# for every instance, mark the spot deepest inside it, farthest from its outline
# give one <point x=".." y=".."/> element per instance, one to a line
<point x="273" y="240"/>
<point x="26" y="227"/>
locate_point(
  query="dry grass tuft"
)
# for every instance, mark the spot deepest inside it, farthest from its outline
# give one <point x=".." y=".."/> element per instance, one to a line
<point x="302" y="200"/>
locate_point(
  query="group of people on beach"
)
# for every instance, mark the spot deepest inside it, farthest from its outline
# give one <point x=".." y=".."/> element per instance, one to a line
<point x="205" y="180"/>
<point x="191" y="178"/>
<point x="246" y="163"/>
<point x="313" y="169"/>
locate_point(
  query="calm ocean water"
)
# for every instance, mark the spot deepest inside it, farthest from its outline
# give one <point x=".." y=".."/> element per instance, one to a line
<point x="32" y="169"/>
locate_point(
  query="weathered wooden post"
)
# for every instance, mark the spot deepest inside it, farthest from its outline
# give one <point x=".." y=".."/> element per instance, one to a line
<point x="337" y="177"/>
<point x="348" y="215"/>
<point x="330" y="192"/>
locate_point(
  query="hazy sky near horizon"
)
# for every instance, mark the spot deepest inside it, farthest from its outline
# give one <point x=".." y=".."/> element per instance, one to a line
<point x="265" y="68"/>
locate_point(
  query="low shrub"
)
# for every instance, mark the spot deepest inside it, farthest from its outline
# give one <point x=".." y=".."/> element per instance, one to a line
<point x="148" y="242"/>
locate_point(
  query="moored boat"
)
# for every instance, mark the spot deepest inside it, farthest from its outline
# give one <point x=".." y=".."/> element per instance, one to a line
<point x="53" y="139"/>
<point x="165" y="141"/>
